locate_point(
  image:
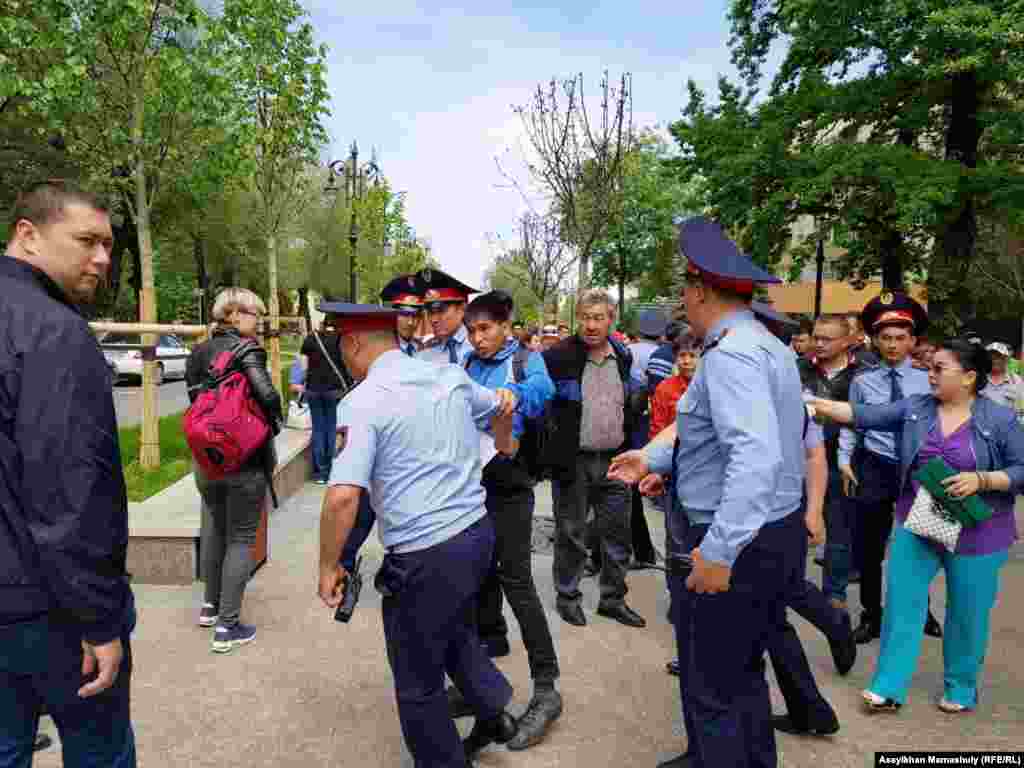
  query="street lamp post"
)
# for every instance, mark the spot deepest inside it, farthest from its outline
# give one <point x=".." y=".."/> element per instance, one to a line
<point x="355" y="190"/>
<point x="819" y="277"/>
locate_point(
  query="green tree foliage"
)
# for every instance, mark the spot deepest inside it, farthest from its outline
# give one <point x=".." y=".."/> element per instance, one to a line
<point x="651" y="199"/>
<point x="510" y="272"/>
<point x="896" y="125"/>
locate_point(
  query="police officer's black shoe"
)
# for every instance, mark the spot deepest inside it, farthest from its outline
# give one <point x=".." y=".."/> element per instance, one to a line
<point x="869" y="629"/>
<point x="545" y="707"/>
<point x="844" y="649"/>
<point x="622" y="613"/>
<point x="497" y="730"/>
<point x="572" y="613"/>
<point x="457" y="704"/>
<point x="786" y="724"/>
<point x="684" y="760"/>
<point x="932" y="628"/>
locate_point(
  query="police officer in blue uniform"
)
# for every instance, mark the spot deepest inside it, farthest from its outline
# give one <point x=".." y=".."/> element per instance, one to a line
<point x="445" y="299"/>
<point x="411" y="441"/>
<point x="739" y="470"/>
<point x="403" y="295"/>
<point x="868" y="459"/>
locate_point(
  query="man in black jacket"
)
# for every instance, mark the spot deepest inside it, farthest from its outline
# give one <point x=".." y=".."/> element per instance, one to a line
<point x="592" y="416"/>
<point x="66" y="609"/>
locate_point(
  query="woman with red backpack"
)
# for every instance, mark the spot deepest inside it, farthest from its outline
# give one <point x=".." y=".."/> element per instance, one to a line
<point x="233" y="502"/>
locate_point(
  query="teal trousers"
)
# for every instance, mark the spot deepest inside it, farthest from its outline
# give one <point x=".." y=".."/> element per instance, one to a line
<point x="972" y="583"/>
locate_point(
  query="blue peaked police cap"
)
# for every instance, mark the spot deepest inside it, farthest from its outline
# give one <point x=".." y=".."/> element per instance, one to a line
<point x="710" y="254"/>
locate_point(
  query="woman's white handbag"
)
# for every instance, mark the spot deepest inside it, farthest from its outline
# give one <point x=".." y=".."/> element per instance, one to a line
<point x="298" y="416"/>
<point x="928" y="520"/>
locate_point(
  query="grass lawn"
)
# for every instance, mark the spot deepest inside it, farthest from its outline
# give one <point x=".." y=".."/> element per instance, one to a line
<point x="175" y="459"/>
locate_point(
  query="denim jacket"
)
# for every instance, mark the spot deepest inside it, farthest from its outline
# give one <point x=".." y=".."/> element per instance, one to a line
<point x="998" y="438"/>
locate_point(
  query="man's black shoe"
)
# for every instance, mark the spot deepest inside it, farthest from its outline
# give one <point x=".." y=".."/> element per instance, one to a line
<point x="869" y="629"/>
<point x="785" y="724"/>
<point x="622" y="613"/>
<point x="932" y="628"/>
<point x="572" y="613"/>
<point x="42" y="742"/>
<point x="497" y="730"/>
<point x="684" y="760"/>
<point x="844" y="649"/>
<point x="545" y="707"/>
<point x="457" y="704"/>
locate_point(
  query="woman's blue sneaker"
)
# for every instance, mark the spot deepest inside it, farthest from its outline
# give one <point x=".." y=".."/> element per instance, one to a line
<point x="226" y="639"/>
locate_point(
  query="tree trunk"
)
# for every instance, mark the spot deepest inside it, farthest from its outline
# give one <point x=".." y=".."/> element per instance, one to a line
<point x="304" y="305"/>
<point x="583" y="283"/>
<point x="202" y="276"/>
<point x="275" y="312"/>
<point x="622" y="282"/>
<point x="892" y="262"/>
<point x="949" y="300"/>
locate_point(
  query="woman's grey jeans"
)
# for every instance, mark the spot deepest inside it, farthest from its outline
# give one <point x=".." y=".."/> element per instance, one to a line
<point x="232" y="508"/>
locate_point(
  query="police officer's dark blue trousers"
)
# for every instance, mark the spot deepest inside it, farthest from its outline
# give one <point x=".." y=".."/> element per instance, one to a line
<point x="722" y="640"/>
<point x="429" y="610"/>
<point x="41" y="665"/>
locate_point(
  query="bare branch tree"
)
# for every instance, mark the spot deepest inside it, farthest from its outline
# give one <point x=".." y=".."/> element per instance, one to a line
<point x="572" y="151"/>
<point x="548" y="258"/>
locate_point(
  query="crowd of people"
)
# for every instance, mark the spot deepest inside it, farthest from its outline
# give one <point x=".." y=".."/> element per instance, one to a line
<point x="753" y="447"/>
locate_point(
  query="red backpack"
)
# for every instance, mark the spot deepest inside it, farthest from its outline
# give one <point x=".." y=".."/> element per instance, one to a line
<point x="225" y="425"/>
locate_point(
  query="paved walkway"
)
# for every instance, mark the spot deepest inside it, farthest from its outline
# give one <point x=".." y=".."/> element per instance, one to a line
<point x="310" y="692"/>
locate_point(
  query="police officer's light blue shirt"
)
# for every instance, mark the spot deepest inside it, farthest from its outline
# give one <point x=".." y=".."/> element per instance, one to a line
<point x="412" y="442"/>
<point x="439" y="352"/>
<point x="741" y="461"/>
<point x="873" y="386"/>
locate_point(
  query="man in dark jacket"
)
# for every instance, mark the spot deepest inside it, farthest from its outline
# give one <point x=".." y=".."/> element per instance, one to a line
<point x="592" y="418"/>
<point x="66" y="609"/>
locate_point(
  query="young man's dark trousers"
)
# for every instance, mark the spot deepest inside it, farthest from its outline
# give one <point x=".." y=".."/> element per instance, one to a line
<point x="511" y="512"/>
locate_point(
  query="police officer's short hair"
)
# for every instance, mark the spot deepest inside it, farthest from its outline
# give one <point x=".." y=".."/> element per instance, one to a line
<point x="593" y="297"/>
<point x="231" y="299"/>
<point x="44" y="202"/>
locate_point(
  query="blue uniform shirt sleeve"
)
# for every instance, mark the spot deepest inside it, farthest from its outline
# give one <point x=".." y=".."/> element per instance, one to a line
<point x="354" y="465"/>
<point x="746" y="423"/>
<point x="482" y="401"/>
<point x="659" y="458"/>
<point x="847" y="435"/>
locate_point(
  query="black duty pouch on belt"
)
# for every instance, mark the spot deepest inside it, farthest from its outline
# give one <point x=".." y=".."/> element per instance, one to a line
<point x="391" y="578"/>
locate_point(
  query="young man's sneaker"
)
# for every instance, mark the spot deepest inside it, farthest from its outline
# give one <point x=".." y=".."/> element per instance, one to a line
<point x="226" y="639"/>
<point x="208" y="615"/>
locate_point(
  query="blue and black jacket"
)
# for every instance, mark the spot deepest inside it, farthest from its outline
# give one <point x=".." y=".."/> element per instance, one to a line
<point x="63" y="505"/>
<point x="566" y="361"/>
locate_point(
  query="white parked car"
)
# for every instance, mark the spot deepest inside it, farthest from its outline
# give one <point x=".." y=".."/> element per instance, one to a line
<point x="124" y="356"/>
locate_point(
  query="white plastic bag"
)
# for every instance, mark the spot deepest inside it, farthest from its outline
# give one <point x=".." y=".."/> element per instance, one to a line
<point x="298" y="416"/>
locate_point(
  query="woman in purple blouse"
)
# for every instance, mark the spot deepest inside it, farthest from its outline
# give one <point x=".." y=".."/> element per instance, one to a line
<point x="984" y="442"/>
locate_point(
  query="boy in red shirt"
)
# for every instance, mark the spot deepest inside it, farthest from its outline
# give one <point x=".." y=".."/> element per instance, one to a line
<point x="666" y="396"/>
